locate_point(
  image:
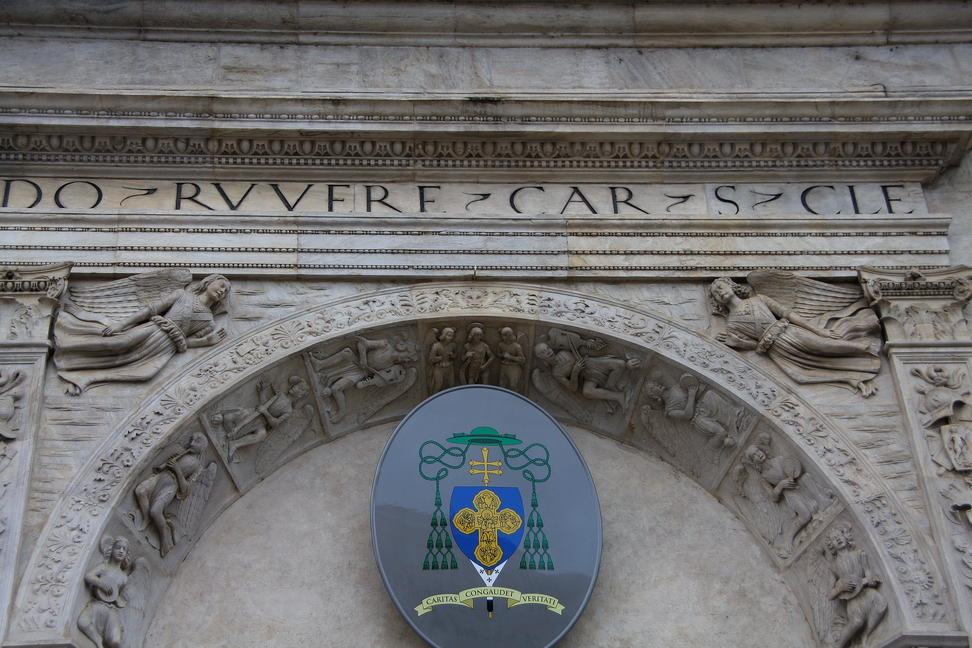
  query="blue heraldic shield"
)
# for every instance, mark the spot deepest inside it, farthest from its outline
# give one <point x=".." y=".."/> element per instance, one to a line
<point x="487" y="523"/>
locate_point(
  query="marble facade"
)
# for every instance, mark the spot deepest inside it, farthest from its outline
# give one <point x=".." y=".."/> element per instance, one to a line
<point x="355" y="179"/>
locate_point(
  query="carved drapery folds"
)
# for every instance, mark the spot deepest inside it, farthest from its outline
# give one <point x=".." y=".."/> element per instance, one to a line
<point x="813" y="331"/>
<point x="126" y="330"/>
<point x="249" y="406"/>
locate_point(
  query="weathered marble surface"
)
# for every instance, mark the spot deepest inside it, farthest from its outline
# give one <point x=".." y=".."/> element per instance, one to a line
<point x="699" y="582"/>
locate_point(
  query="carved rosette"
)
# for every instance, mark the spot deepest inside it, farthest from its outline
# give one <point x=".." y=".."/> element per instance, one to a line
<point x="53" y="584"/>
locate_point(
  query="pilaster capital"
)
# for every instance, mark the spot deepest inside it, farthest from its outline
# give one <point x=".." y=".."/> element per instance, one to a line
<point x="920" y="306"/>
<point x="28" y="297"/>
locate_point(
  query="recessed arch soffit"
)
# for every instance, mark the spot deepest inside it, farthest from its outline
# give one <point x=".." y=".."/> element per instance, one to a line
<point x="322" y="345"/>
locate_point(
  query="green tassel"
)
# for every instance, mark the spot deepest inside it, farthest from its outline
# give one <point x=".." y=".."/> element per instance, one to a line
<point x="533" y="565"/>
<point x="549" y="564"/>
<point x="430" y="543"/>
<point x="435" y="521"/>
<point x="541" y="566"/>
<point x="454" y="565"/>
<point x="448" y="542"/>
<point x="544" y="545"/>
<point x="435" y="564"/>
<point x="523" y="563"/>
<point x="426" y="564"/>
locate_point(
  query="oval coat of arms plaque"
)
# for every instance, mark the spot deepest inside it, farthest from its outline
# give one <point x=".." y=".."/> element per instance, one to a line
<point x="485" y="522"/>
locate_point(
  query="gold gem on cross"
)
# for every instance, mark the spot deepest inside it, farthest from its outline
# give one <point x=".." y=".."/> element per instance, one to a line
<point x="485" y="463"/>
<point x="488" y="520"/>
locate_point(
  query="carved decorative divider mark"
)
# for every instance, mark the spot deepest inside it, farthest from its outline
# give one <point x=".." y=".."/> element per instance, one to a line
<point x="632" y="342"/>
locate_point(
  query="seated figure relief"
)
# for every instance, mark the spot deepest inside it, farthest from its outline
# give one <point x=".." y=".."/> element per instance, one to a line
<point x="119" y="591"/>
<point x="127" y="330"/>
<point x="813" y="331"/>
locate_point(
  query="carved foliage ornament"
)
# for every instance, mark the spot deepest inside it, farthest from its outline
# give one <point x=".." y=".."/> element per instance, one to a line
<point x="150" y="149"/>
<point x="55" y="565"/>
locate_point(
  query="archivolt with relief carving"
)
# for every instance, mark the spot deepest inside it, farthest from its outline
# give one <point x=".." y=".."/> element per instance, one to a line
<point x="640" y="349"/>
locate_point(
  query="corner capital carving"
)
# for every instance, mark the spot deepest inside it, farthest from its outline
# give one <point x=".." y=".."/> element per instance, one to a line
<point x="28" y="297"/>
<point x="924" y="306"/>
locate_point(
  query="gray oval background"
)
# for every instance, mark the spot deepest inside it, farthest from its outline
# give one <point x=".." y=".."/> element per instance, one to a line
<point x="402" y="503"/>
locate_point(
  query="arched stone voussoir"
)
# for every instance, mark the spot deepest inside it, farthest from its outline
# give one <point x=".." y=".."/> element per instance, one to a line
<point x="100" y="499"/>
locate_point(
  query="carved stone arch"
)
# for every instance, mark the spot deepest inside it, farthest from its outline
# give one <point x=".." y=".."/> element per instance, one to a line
<point x="52" y="591"/>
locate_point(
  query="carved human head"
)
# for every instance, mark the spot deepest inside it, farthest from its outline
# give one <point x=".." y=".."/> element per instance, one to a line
<point x="198" y="442"/>
<point x="840" y="537"/>
<point x="475" y="334"/>
<point x="116" y="550"/>
<point x="544" y="352"/>
<point x="755" y="454"/>
<point x="721" y="291"/>
<point x="217" y="286"/>
<point x="507" y="334"/>
<point x="447" y="335"/>
<point x="298" y="386"/>
<point x="406" y="351"/>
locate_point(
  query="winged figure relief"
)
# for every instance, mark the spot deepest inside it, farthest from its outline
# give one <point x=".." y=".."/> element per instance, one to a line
<point x="127" y="330"/>
<point x="813" y="331"/>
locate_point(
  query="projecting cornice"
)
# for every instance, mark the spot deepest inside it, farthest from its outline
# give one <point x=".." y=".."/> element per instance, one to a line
<point x="676" y="137"/>
<point x="602" y="23"/>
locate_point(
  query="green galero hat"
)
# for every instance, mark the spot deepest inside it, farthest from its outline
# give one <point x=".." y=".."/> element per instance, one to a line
<point x="484" y="436"/>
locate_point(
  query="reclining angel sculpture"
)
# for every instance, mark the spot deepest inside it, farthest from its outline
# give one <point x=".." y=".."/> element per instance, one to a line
<point x="127" y="330"/>
<point x="813" y="331"/>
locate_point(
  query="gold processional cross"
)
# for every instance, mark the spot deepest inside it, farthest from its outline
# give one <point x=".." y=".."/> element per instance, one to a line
<point x="485" y="463"/>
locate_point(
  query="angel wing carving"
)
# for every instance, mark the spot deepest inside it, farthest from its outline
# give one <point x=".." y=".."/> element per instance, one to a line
<point x="189" y="509"/>
<point x="282" y="438"/>
<point x="820" y="302"/>
<point x="119" y="299"/>
<point x="553" y="391"/>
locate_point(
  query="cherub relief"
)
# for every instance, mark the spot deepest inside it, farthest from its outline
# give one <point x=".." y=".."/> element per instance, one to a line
<point x="160" y="316"/>
<point x="715" y="418"/>
<point x="813" y="331"/>
<point x="119" y="589"/>
<point x="512" y="359"/>
<point x="182" y="478"/>
<point x="853" y="607"/>
<point x="441" y="351"/>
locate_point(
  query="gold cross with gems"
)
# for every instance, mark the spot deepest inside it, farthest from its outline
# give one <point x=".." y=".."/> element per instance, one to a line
<point x="488" y="520"/>
<point x="485" y="463"/>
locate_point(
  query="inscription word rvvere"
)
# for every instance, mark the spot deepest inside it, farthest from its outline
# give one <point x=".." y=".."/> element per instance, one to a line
<point x="623" y="199"/>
